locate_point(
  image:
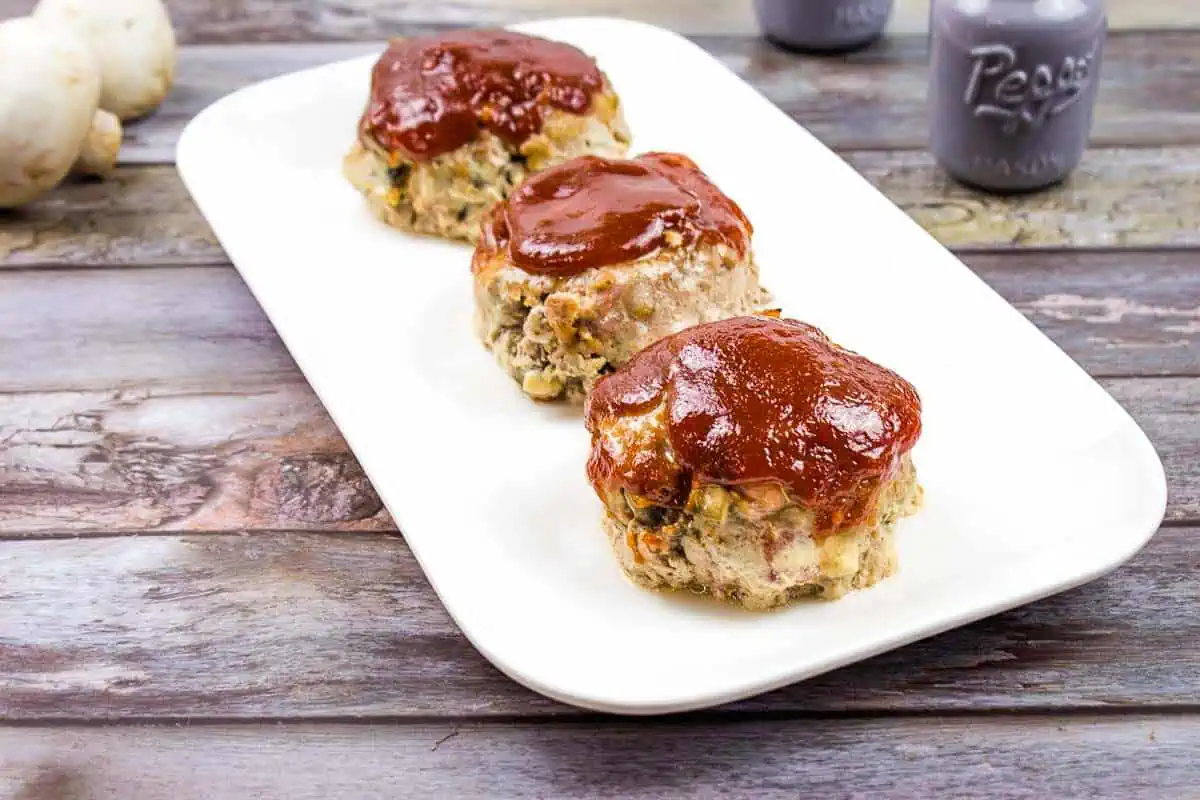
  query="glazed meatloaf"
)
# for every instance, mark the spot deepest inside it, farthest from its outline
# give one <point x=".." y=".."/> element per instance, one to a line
<point x="455" y="121"/>
<point x="755" y="460"/>
<point x="590" y="261"/>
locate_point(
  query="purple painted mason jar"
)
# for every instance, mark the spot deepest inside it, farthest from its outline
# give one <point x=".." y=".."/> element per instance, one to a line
<point x="1012" y="84"/>
<point x="823" y="25"/>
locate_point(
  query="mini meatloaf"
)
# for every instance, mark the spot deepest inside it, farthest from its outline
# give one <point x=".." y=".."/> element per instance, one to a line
<point x="455" y="121"/>
<point x="754" y="460"/>
<point x="592" y="260"/>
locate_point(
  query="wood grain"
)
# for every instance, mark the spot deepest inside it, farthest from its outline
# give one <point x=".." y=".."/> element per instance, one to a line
<point x="98" y="331"/>
<point x="877" y="99"/>
<point x="1121" y="312"/>
<point x="162" y="398"/>
<point x="267" y="582"/>
<point x="138" y="459"/>
<point x="1119" y="197"/>
<point x="271" y="20"/>
<point x="1151" y="198"/>
<point x="869" y="100"/>
<point x="195" y="329"/>
<point x="136" y="216"/>
<point x="270" y="458"/>
<point x="290" y="625"/>
<point x="968" y="757"/>
<point x="207" y="73"/>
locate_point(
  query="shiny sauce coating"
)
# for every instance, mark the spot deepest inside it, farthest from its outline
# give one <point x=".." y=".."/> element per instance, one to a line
<point x="431" y="95"/>
<point x="755" y="399"/>
<point x="593" y="212"/>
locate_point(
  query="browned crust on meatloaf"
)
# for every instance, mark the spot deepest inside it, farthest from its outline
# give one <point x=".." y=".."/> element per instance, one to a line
<point x="448" y="195"/>
<point x="557" y="335"/>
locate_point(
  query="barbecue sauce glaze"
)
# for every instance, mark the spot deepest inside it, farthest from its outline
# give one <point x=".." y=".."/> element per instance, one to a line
<point x="592" y="212"/>
<point x="751" y="400"/>
<point x="432" y="94"/>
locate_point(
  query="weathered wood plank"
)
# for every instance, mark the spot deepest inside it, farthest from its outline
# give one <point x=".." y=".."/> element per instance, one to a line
<point x="1120" y="197"/>
<point x="1136" y="757"/>
<point x="271" y="20"/>
<point x="877" y="99"/>
<point x="872" y="100"/>
<point x="270" y="458"/>
<point x="163" y="399"/>
<point x="129" y="460"/>
<point x="1130" y="197"/>
<point x="177" y="331"/>
<point x="289" y="625"/>
<point x="208" y="72"/>
<point x="136" y="216"/>
<point x="1119" y="312"/>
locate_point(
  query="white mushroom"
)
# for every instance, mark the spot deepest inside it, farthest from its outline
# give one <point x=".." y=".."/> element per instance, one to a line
<point x="134" y="43"/>
<point x="48" y="116"/>
<point x="98" y="155"/>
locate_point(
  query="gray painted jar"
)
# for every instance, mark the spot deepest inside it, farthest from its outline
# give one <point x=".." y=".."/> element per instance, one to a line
<point x="823" y="25"/>
<point x="1012" y="85"/>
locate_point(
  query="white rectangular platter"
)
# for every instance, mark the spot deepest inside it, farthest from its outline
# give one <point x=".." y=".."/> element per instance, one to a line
<point x="1036" y="480"/>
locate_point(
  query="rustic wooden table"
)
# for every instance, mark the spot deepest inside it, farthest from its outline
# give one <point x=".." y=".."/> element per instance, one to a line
<point x="201" y="596"/>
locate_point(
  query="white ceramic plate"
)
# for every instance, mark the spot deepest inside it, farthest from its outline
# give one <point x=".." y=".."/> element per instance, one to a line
<point x="1036" y="480"/>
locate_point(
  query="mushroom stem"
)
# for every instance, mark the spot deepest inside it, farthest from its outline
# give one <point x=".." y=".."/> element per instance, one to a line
<point x="98" y="155"/>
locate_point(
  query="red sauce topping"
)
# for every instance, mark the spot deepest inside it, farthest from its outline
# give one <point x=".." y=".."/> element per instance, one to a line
<point x="755" y="399"/>
<point x="592" y="212"/>
<point x="431" y="95"/>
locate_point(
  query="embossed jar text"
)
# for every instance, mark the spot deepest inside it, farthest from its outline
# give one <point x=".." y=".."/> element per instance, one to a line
<point x="999" y="88"/>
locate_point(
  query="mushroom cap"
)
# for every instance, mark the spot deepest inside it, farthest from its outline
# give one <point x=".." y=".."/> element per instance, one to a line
<point x="134" y="44"/>
<point x="47" y="99"/>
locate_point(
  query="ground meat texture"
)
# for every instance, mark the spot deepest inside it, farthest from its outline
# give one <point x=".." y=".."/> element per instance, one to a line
<point x="756" y="460"/>
<point x="557" y="336"/>
<point x="591" y="261"/>
<point x="447" y="193"/>
<point x="753" y="545"/>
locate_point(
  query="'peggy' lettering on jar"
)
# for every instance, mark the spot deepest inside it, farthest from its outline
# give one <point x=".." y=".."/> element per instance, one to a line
<point x="999" y="88"/>
<point x="1012" y="85"/>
